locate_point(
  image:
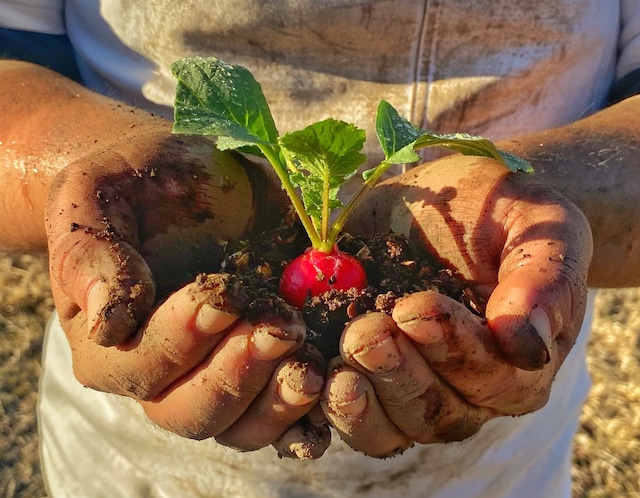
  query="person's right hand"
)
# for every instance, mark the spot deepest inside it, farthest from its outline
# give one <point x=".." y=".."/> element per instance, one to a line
<point x="435" y="371"/>
<point x="132" y="224"/>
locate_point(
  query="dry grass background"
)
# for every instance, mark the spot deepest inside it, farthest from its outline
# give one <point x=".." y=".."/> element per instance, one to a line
<point x="607" y="449"/>
<point x="25" y="306"/>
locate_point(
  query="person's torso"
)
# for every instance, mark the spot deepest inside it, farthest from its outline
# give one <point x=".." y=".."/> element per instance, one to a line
<point x="497" y="68"/>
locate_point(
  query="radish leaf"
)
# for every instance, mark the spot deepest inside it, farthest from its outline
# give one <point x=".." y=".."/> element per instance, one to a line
<point x="400" y="139"/>
<point x="472" y="145"/>
<point x="321" y="158"/>
<point x="215" y="98"/>
<point x="396" y="135"/>
<point x="515" y="163"/>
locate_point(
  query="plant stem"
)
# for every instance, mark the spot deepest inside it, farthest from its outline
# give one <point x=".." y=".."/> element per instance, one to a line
<point x="272" y="155"/>
<point x="338" y="225"/>
<point x="325" y="209"/>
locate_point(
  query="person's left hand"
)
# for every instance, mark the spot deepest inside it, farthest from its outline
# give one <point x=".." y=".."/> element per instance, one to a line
<point x="435" y="371"/>
<point x="134" y="231"/>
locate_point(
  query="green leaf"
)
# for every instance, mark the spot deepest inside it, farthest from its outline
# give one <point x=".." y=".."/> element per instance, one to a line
<point x="515" y="163"/>
<point x="216" y="98"/>
<point x="464" y="143"/>
<point x="472" y="145"/>
<point x="396" y="135"/>
<point x="400" y="139"/>
<point x="321" y="158"/>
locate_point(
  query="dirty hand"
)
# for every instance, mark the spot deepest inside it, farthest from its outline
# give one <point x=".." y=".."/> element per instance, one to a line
<point x="133" y="224"/>
<point x="435" y="371"/>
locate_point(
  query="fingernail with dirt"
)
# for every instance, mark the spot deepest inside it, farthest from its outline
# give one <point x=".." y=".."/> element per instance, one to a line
<point x="299" y="390"/>
<point x="382" y="357"/>
<point x="303" y="441"/>
<point x="97" y="298"/>
<point x="350" y="408"/>
<point x="428" y="327"/>
<point x="344" y="392"/>
<point x="225" y="292"/>
<point x="540" y="321"/>
<point x="210" y="320"/>
<point x="533" y="342"/>
<point x="268" y="343"/>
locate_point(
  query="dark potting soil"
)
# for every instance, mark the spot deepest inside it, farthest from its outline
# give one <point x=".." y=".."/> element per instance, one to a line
<point x="393" y="266"/>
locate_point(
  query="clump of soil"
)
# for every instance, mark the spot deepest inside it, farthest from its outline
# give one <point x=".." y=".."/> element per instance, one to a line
<point x="394" y="267"/>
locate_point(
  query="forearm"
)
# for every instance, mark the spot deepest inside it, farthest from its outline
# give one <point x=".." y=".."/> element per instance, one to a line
<point x="595" y="162"/>
<point x="47" y="122"/>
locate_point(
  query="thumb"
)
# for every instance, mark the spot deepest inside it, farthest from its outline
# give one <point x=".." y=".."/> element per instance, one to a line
<point x="540" y="298"/>
<point x="97" y="273"/>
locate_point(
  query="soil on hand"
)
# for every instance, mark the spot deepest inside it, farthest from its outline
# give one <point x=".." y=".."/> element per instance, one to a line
<point x="393" y="267"/>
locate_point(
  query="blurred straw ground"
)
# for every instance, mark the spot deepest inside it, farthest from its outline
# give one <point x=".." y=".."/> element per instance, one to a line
<point x="607" y="449"/>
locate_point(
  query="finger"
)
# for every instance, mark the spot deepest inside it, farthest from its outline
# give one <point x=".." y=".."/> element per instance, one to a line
<point x="307" y="439"/>
<point x="415" y="399"/>
<point x="351" y="405"/>
<point x="179" y="335"/>
<point x="117" y="225"/>
<point x="541" y="295"/>
<point x="294" y="388"/>
<point x="211" y="397"/>
<point x="462" y="351"/>
<point x="504" y="232"/>
<point x="92" y="251"/>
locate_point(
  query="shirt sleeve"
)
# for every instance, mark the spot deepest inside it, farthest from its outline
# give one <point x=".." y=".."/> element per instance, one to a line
<point x="34" y="31"/>
<point x="629" y="45"/>
<point x="39" y="16"/>
<point x="627" y="81"/>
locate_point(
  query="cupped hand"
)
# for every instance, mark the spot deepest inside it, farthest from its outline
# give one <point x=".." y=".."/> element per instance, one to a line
<point x="133" y="234"/>
<point x="435" y="371"/>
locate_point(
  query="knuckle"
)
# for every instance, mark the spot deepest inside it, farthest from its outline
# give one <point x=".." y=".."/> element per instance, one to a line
<point x="85" y="378"/>
<point x="115" y="381"/>
<point x="194" y="429"/>
<point x="520" y="399"/>
<point x="177" y="356"/>
<point x="130" y="387"/>
<point x="239" y="443"/>
<point x="240" y="390"/>
<point x="392" y="449"/>
<point x="460" y="426"/>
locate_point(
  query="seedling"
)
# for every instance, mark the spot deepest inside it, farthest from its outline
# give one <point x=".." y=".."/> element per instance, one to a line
<point x="225" y="101"/>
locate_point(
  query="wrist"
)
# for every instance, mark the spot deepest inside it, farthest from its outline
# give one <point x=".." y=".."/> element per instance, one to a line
<point x="48" y="122"/>
<point x="594" y="163"/>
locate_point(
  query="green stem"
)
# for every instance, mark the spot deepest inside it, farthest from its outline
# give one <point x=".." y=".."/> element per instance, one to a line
<point x="273" y="157"/>
<point x="325" y="209"/>
<point x="338" y="225"/>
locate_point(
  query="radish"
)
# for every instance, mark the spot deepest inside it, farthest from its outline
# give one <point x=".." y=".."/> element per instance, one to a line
<point x="225" y="100"/>
<point x="315" y="272"/>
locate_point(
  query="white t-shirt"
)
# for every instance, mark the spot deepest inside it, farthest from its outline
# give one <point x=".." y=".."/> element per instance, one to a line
<point x="493" y="67"/>
<point x="41" y="16"/>
<point x="97" y="445"/>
